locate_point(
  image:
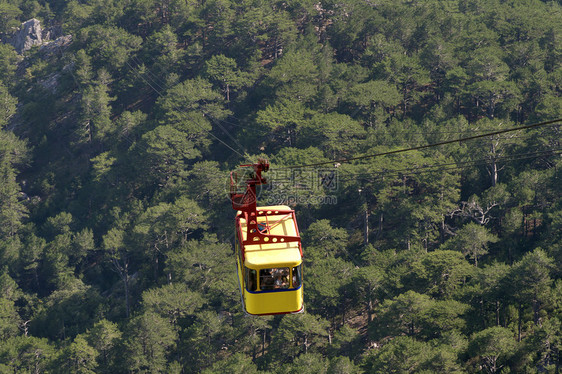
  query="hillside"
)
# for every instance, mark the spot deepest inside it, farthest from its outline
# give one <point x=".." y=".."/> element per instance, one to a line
<point x="119" y="124"/>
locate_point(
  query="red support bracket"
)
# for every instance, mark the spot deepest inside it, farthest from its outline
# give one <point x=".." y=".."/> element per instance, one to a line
<point x="246" y="202"/>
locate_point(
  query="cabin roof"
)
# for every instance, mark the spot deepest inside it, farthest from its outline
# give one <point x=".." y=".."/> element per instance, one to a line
<point x="273" y="254"/>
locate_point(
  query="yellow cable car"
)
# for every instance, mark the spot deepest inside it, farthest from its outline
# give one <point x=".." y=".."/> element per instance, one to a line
<point x="268" y="252"/>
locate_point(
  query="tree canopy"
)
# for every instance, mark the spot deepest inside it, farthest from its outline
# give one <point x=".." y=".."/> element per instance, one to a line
<point x="116" y="232"/>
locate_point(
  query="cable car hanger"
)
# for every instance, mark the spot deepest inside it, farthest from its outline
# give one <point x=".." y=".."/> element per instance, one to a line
<point x="246" y="203"/>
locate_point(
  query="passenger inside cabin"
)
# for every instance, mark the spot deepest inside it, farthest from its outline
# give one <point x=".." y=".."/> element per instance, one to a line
<point x="296" y="276"/>
<point x="285" y="278"/>
<point x="266" y="279"/>
<point x="275" y="278"/>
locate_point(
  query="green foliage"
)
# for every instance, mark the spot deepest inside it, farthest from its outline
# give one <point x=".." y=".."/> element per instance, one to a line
<point x="78" y="357"/>
<point x="166" y="151"/>
<point x="329" y="278"/>
<point x="26" y="354"/>
<point x="166" y="225"/>
<point x="324" y="241"/>
<point x="420" y="316"/>
<point x="149" y="338"/>
<point x="12" y="211"/>
<point x="8" y="64"/>
<point x="532" y="281"/>
<point x="402" y="354"/>
<point x="374" y="100"/>
<point x="7" y="106"/>
<point x="190" y="106"/>
<point x="68" y="311"/>
<point x="285" y="119"/>
<point x="9" y="14"/>
<point x="204" y="266"/>
<point x="13" y="153"/>
<point x="492" y="347"/>
<point x="310" y="362"/>
<point x="173" y="301"/>
<point x="440" y="273"/>
<point x="9" y="319"/>
<point x="115" y="223"/>
<point x="343" y="365"/>
<point x="104" y="337"/>
<point x="472" y="240"/>
<point x="96" y="112"/>
<point x="224" y="72"/>
<point x="337" y="134"/>
<point x="203" y="340"/>
<point x="294" y="76"/>
<point x="109" y="47"/>
<point x="302" y="333"/>
<point x="237" y="363"/>
<point x="102" y="166"/>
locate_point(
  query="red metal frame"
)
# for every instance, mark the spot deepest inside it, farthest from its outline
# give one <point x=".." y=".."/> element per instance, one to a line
<point x="246" y="203"/>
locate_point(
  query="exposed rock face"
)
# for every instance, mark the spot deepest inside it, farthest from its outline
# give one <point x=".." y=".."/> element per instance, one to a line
<point x="51" y="33"/>
<point x="50" y="48"/>
<point x="27" y="36"/>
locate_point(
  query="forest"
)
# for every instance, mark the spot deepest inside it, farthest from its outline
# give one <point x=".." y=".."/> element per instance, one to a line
<point x="121" y="121"/>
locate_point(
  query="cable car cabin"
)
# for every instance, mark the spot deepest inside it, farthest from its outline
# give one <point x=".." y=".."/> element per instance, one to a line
<point x="268" y="249"/>
<point x="270" y="273"/>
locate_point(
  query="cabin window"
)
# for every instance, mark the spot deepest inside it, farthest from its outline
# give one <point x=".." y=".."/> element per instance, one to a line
<point x="274" y="279"/>
<point x="251" y="280"/>
<point x="297" y="276"/>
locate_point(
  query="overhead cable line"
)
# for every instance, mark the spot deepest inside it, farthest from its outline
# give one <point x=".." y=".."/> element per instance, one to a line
<point x="156" y="80"/>
<point x="452" y="165"/>
<point x="217" y="121"/>
<point x="154" y="77"/>
<point x="194" y="122"/>
<point x="339" y="161"/>
<point x="454" y="168"/>
<point x="446" y="166"/>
